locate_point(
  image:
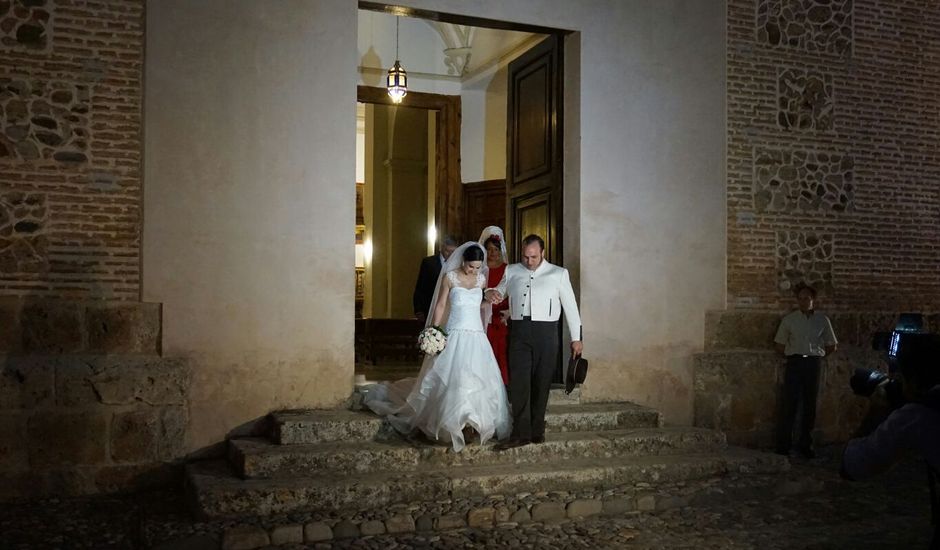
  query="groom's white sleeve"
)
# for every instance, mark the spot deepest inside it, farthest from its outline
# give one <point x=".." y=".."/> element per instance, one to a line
<point x="570" y="307"/>
<point x="503" y="283"/>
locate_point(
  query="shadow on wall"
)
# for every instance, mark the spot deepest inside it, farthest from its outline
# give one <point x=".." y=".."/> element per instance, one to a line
<point x="87" y="403"/>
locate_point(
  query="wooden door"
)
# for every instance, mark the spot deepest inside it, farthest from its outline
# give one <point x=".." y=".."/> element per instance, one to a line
<point x="484" y="205"/>
<point x="534" y="148"/>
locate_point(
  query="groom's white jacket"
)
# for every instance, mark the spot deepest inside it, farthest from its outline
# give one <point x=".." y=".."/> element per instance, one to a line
<point x="541" y="294"/>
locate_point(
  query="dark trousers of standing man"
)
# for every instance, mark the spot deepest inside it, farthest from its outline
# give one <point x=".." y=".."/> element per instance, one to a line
<point x="800" y="383"/>
<point x="533" y="353"/>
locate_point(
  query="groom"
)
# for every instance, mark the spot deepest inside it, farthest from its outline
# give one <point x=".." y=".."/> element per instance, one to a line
<point x="538" y="291"/>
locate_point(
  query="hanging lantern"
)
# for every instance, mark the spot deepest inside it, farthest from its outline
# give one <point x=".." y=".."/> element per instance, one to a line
<point x="397" y="80"/>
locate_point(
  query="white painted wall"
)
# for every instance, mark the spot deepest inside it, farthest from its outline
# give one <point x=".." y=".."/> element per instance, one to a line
<point x="249" y="203"/>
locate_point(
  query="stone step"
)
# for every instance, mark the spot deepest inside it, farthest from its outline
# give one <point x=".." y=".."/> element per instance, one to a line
<point x="321" y="426"/>
<point x="259" y="458"/>
<point x="216" y="491"/>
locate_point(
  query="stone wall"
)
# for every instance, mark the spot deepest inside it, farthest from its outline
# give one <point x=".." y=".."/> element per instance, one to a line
<point x="833" y="158"/>
<point x="739" y="376"/>
<point x="73" y="424"/>
<point x="86" y="402"/>
<point x="70" y="148"/>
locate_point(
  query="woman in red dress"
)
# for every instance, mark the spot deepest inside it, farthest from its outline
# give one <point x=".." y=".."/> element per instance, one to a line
<point x="497" y="331"/>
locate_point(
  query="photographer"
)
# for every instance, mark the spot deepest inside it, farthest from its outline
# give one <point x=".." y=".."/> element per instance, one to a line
<point x="904" y="416"/>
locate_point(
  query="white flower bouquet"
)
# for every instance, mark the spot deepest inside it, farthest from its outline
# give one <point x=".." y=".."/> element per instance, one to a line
<point x="432" y="340"/>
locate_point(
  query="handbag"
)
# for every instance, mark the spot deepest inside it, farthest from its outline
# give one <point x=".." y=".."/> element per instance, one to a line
<point x="577" y="372"/>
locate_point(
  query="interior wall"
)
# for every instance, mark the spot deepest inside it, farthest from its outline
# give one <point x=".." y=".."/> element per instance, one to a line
<point x="250" y="160"/>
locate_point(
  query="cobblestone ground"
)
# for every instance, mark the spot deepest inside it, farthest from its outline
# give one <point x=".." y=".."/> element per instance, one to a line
<point x="890" y="512"/>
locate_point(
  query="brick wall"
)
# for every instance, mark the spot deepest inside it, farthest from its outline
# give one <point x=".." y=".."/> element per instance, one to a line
<point x="834" y="153"/>
<point x="70" y="148"/>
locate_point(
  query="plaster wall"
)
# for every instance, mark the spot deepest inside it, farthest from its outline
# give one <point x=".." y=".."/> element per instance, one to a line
<point x="250" y="159"/>
<point x="652" y="246"/>
<point x="247" y="231"/>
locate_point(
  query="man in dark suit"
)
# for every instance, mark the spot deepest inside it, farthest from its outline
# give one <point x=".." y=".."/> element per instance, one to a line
<point x="427" y="277"/>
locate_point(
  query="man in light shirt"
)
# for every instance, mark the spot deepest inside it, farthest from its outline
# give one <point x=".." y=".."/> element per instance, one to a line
<point x="805" y="336"/>
<point x="539" y="294"/>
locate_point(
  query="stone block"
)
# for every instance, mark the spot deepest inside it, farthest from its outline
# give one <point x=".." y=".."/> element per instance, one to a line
<point x="123" y="328"/>
<point x="583" y="508"/>
<point x="345" y="530"/>
<point x="50" y="326"/>
<point x="148" y="434"/>
<point x="502" y="514"/>
<point x="735" y="390"/>
<point x="314" y="532"/>
<point x="618" y="506"/>
<point x="547" y="511"/>
<point x="668" y="502"/>
<point x="481" y="517"/>
<point x="244" y="537"/>
<point x="13" y="455"/>
<point x="451" y="521"/>
<point x="520" y="516"/>
<point x="26" y="383"/>
<point x="122" y="380"/>
<point x="424" y="523"/>
<point x="59" y="438"/>
<point x="400" y="523"/>
<point x="288" y="534"/>
<point x="740" y="330"/>
<point x="372" y="527"/>
<point x="646" y="503"/>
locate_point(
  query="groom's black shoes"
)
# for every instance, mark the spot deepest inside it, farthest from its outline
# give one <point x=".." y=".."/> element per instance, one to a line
<point x="538" y="439"/>
<point x="512" y="444"/>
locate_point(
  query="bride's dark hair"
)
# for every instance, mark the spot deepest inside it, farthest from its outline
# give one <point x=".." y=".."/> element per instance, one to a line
<point x="473" y="254"/>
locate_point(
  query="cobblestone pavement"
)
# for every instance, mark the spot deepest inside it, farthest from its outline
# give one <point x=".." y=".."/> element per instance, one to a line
<point x="820" y="512"/>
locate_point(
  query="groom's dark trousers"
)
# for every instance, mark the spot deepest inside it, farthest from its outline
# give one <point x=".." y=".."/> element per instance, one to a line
<point x="533" y="353"/>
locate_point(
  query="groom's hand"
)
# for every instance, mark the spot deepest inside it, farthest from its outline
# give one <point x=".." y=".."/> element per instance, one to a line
<point x="493" y="297"/>
<point x="576" y="348"/>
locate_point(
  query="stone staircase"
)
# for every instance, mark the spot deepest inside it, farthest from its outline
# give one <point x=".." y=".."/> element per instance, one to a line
<point x="326" y="462"/>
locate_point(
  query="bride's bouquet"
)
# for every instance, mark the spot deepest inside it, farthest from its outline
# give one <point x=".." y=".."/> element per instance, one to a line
<point x="432" y="340"/>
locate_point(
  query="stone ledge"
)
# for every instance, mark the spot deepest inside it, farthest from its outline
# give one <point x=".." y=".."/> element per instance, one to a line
<point x="218" y="492"/>
<point x="48" y="326"/>
<point x="259" y="458"/>
<point x="524" y="508"/>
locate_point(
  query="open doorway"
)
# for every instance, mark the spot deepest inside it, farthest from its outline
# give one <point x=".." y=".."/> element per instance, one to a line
<point x="460" y="74"/>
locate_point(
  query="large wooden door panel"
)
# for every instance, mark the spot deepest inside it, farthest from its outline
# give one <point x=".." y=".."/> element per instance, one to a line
<point x="534" y="152"/>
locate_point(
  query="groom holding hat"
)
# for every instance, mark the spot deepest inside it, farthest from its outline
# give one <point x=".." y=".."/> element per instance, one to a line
<point x="538" y="292"/>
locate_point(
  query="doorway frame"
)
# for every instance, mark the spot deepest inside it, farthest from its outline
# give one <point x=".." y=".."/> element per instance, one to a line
<point x="448" y="193"/>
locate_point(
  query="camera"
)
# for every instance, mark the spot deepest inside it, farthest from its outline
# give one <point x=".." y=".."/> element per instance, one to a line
<point x="908" y="350"/>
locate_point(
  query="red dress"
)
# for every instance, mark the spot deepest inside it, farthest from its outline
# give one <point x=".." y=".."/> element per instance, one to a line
<point x="497" y="331"/>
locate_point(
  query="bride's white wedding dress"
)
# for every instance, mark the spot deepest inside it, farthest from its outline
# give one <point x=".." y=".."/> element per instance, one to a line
<point x="459" y="387"/>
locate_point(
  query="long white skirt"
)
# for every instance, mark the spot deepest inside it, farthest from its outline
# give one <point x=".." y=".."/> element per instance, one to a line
<point x="459" y="387"/>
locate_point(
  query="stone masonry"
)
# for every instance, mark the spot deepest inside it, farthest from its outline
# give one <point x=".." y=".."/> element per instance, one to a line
<point x="833" y="159"/>
<point x="70" y="148"/>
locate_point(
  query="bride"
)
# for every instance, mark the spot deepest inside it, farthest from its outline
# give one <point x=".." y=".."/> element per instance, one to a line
<point x="461" y="387"/>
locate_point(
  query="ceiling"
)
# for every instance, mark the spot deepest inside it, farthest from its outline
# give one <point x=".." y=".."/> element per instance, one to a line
<point x="430" y="49"/>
